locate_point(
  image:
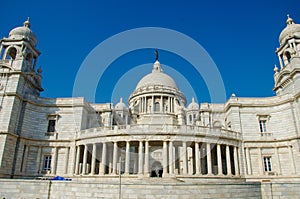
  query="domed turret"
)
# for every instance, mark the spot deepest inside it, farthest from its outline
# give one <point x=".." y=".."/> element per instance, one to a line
<point x="192" y="113"/>
<point x="289" y="58"/>
<point x="292" y="30"/>
<point x="120" y="105"/>
<point x="23" y="32"/>
<point x="193" y="105"/>
<point x="121" y="113"/>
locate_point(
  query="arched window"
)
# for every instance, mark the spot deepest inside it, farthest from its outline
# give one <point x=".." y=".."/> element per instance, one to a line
<point x="156" y="107"/>
<point x="191" y="119"/>
<point x="11" y="54"/>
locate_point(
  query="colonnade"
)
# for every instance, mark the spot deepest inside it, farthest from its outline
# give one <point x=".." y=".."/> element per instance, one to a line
<point x="183" y="158"/>
<point x="147" y="104"/>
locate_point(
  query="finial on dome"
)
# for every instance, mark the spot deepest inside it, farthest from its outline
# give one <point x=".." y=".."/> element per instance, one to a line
<point x="156" y="65"/>
<point x="40" y="70"/>
<point x="156" y="55"/>
<point x="275" y="68"/>
<point x="289" y="20"/>
<point x="27" y="23"/>
<point x="121" y="99"/>
<point x="193" y="99"/>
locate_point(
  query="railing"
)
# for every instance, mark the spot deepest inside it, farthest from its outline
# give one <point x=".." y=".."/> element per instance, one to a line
<point x="148" y="129"/>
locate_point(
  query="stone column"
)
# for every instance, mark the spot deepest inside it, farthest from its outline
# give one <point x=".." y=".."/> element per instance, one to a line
<point x="135" y="160"/>
<point x="169" y="104"/>
<point x="261" y="170"/>
<point x="110" y="155"/>
<point x="293" y="170"/>
<point x="171" y="158"/>
<point x="219" y="155"/>
<point x="73" y="159"/>
<point x="228" y="162"/>
<point x="161" y="104"/>
<point x="145" y="104"/>
<point x="103" y="159"/>
<point x="172" y="104"/>
<point x="280" y="61"/>
<point x="77" y="160"/>
<point x="67" y="160"/>
<point x="94" y="155"/>
<point x="197" y="158"/>
<point x="140" y="105"/>
<point x="38" y="160"/>
<point x="146" y="170"/>
<point x="165" y="158"/>
<point x="152" y="108"/>
<point x="208" y="157"/>
<point x="236" y="161"/>
<point x="127" y="158"/>
<point x="85" y="153"/>
<point x="249" y="170"/>
<point x="277" y="161"/>
<point x="54" y="161"/>
<point x="141" y="158"/>
<point x="184" y="158"/>
<point x="191" y="164"/>
<point x="115" y="158"/>
<point x="26" y="153"/>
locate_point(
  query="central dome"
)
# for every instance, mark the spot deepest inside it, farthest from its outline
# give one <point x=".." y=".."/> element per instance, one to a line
<point x="157" y="78"/>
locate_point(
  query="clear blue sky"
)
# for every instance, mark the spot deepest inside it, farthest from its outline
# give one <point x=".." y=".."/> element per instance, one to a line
<point x="240" y="36"/>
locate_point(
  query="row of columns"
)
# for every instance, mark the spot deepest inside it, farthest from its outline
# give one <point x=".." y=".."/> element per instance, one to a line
<point x="144" y="106"/>
<point x="275" y="157"/>
<point x="170" y="159"/>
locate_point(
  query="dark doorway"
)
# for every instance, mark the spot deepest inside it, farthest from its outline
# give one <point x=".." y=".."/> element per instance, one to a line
<point x="156" y="170"/>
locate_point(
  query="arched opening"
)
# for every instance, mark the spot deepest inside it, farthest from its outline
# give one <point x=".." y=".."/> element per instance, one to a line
<point x="156" y="107"/>
<point x="287" y="56"/>
<point x="156" y="170"/>
<point x="11" y="54"/>
<point x="191" y="118"/>
<point x="29" y="58"/>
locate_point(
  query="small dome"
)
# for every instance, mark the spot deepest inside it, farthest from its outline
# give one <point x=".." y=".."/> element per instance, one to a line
<point x="157" y="78"/>
<point x="291" y="30"/>
<point x="193" y="105"/>
<point x="120" y="105"/>
<point x="23" y="32"/>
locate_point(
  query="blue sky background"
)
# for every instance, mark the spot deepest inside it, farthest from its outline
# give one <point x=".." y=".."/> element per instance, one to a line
<point x="240" y="36"/>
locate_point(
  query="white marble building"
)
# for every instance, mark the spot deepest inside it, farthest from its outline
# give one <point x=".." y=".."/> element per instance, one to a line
<point x="157" y="135"/>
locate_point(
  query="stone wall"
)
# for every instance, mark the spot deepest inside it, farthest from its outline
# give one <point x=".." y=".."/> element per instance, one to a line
<point x="139" y="188"/>
<point x="280" y="190"/>
<point x="154" y="188"/>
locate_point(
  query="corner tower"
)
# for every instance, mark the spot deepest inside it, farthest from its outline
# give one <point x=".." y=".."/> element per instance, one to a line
<point x="19" y="77"/>
<point x="157" y="99"/>
<point x="288" y="76"/>
<point x="18" y="59"/>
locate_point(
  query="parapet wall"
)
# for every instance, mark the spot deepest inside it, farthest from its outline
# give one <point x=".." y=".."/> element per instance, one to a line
<point x="45" y="189"/>
<point x="139" y="188"/>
